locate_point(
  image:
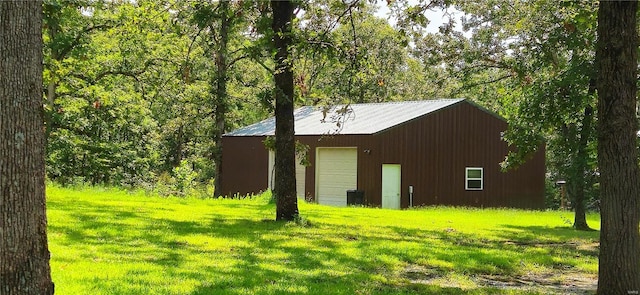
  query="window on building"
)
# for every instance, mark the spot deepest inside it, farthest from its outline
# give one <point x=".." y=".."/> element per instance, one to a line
<point x="474" y="179"/>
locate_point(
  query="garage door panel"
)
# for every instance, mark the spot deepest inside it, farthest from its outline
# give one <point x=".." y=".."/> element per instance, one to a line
<point x="337" y="172"/>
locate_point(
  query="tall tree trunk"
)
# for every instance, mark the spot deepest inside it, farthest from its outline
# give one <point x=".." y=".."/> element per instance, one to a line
<point x="221" y="93"/>
<point x="616" y="63"/>
<point x="24" y="253"/>
<point x="285" y="173"/>
<point x="580" y="167"/>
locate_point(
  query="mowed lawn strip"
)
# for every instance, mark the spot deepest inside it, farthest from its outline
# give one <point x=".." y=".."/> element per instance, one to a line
<point x="108" y="241"/>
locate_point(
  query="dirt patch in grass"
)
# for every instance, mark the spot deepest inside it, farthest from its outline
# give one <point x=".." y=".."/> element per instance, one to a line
<point x="557" y="282"/>
<point x="418" y="274"/>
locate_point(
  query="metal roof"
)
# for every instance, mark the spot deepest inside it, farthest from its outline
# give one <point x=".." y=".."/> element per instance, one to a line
<point x="367" y="118"/>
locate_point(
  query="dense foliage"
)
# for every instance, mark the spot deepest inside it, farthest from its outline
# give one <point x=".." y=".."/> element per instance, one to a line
<point x="133" y="93"/>
<point x="129" y="91"/>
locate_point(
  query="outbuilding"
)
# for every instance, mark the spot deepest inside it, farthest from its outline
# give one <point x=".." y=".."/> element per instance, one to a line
<point x="391" y="155"/>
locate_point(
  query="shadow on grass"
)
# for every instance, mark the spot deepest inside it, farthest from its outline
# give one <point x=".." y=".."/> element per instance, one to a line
<point x="340" y="264"/>
<point x="549" y="234"/>
<point x="268" y="257"/>
<point x="553" y="252"/>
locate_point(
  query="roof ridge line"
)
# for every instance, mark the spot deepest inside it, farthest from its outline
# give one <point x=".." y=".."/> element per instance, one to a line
<point x="389" y="102"/>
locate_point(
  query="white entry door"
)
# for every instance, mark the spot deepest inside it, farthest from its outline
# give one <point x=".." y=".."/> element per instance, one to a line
<point x="391" y="186"/>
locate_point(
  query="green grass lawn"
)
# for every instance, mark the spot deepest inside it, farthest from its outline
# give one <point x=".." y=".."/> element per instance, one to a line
<point x="105" y="241"/>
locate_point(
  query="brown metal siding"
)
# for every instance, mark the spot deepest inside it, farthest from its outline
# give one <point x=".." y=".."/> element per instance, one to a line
<point x="433" y="151"/>
<point x="244" y="165"/>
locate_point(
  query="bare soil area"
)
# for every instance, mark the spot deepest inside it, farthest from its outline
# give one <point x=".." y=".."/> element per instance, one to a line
<point x="554" y="281"/>
<point x="563" y="282"/>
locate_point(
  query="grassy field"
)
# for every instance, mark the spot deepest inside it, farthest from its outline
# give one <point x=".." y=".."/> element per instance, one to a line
<point x="114" y="242"/>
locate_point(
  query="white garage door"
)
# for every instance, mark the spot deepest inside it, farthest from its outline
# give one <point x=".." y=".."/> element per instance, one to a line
<point x="300" y="174"/>
<point x="336" y="172"/>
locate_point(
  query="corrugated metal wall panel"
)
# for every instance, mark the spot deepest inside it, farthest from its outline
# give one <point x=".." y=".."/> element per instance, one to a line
<point x="435" y="150"/>
<point x="244" y="165"/>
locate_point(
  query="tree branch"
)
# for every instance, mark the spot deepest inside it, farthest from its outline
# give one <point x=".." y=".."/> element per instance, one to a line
<point x="62" y="54"/>
<point x="486" y="82"/>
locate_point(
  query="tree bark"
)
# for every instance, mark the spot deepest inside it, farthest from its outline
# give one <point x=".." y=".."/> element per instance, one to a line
<point x="220" y="93"/>
<point x="580" y="167"/>
<point x="616" y="63"/>
<point x="285" y="173"/>
<point x="24" y="254"/>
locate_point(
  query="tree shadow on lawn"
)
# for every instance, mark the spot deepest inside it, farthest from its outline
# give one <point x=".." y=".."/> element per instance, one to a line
<point x="268" y="257"/>
<point x="545" y="234"/>
<point x="272" y="257"/>
<point x="274" y="261"/>
<point x="505" y="262"/>
<point x="343" y="263"/>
